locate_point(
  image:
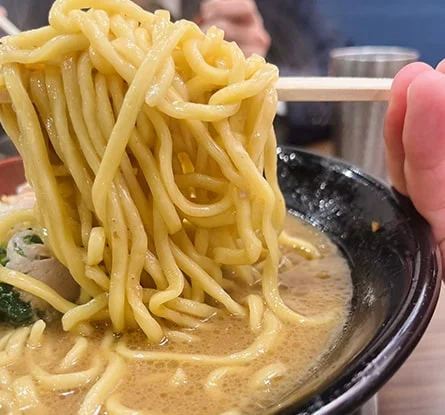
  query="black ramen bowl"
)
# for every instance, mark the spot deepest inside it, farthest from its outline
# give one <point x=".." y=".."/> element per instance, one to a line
<point x="396" y="272"/>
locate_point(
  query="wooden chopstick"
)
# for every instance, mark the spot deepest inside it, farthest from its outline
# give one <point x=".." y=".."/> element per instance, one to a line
<point x="8" y="27"/>
<point x="333" y="89"/>
<point x="321" y="89"/>
<point x="292" y="89"/>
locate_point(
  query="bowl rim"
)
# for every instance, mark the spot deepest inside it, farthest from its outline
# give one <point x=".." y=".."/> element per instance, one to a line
<point x="399" y="338"/>
<point x="11" y="160"/>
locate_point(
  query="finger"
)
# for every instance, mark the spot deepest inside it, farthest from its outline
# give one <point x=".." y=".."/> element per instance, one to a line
<point x="235" y="10"/>
<point x="394" y="122"/>
<point x="424" y="142"/>
<point x="441" y="66"/>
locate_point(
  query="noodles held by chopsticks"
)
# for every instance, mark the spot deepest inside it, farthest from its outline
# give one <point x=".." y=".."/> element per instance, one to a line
<point x="167" y="136"/>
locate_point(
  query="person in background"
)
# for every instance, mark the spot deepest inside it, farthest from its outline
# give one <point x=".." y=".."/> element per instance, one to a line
<point x="415" y="142"/>
<point x="292" y="34"/>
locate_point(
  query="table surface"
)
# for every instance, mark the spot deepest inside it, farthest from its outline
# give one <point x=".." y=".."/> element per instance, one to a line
<point x="418" y="388"/>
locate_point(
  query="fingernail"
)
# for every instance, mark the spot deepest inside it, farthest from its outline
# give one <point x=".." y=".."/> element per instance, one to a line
<point x="408" y="93"/>
<point x="391" y="100"/>
<point x="441" y="66"/>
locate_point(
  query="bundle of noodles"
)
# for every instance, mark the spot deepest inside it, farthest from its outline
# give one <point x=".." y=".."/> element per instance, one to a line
<point x="150" y="149"/>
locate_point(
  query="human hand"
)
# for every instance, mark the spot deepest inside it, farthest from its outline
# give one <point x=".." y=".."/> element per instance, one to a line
<point x="415" y="142"/>
<point x="241" y="22"/>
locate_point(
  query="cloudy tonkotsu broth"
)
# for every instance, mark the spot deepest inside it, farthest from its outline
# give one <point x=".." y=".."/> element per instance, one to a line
<point x="150" y="149"/>
<point x="313" y="287"/>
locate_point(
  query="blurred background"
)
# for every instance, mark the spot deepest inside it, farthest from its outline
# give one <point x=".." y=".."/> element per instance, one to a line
<point x="306" y="31"/>
<point x="410" y="23"/>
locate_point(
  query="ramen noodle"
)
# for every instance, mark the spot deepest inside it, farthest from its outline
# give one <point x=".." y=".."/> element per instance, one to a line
<point x="158" y="218"/>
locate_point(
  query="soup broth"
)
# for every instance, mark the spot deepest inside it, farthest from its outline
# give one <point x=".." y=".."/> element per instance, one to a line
<point x="318" y="288"/>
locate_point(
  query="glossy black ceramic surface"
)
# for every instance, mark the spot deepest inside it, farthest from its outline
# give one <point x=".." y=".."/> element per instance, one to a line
<point x="395" y="270"/>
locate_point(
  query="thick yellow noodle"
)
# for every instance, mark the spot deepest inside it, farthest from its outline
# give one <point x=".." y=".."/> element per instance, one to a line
<point x="161" y="145"/>
<point x="151" y="151"/>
